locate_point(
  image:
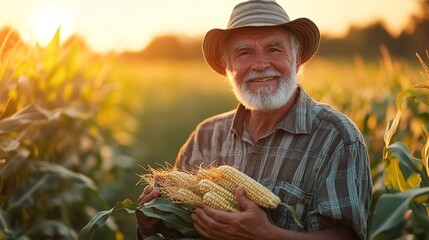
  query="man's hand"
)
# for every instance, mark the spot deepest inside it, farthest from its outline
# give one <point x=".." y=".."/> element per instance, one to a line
<point x="147" y="225"/>
<point x="252" y="223"/>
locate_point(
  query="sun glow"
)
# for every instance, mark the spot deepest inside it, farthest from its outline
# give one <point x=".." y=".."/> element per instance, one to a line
<point x="46" y="21"/>
<point x="131" y="24"/>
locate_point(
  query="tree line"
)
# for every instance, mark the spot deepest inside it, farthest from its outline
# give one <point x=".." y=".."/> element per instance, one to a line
<point x="364" y="41"/>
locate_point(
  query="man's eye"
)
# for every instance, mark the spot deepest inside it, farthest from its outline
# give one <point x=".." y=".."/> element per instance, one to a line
<point x="243" y="53"/>
<point x="273" y="50"/>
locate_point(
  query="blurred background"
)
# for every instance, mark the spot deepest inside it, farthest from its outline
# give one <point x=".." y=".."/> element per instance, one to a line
<point x="94" y="92"/>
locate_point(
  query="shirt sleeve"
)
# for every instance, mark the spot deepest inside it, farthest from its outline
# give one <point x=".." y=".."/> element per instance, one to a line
<point x="184" y="156"/>
<point x="344" y="195"/>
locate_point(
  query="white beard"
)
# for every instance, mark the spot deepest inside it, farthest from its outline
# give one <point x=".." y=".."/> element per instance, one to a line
<point x="265" y="98"/>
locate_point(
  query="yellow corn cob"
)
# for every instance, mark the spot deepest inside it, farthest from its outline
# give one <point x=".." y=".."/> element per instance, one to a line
<point x="214" y="175"/>
<point x="181" y="179"/>
<point x="227" y="185"/>
<point x="203" y="173"/>
<point x="182" y="195"/>
<point x="187" y="196"/>
<point x="209" y="186"/>
<point x="215" y="200"/>
<point x="254" y="190"/>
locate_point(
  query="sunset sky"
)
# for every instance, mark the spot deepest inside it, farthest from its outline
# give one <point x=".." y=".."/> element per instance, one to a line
<point x="116" y="25"/>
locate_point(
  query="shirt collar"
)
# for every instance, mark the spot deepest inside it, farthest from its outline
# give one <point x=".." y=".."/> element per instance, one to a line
<point x="299" y="118"/>
<point x="297" y="121"/>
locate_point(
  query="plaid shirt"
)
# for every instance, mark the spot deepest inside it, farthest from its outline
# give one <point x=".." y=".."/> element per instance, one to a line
<point x="315" y="160"/>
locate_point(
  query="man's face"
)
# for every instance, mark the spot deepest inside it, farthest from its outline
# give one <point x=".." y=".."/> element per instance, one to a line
<point x="261" y="67"/>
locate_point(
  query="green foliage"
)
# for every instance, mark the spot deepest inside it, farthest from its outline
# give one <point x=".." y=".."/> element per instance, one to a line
<point x="101" y="217"/>
<point x="393" y="209"/>
<point x="404" y="209"/>
<point x="57" y="149"/>
<point x="175" y="217"/>
<point x="69" y="135"/>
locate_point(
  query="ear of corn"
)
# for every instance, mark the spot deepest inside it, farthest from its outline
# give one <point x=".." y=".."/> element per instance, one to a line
<point x="213" y="175"/>
<point x="204" y="173"/>
<point x="182" y="178"/>
<point x="209" y="186"/>
<point x="217" y="201"/>
<point x="254" y="190"/>
<point x="181" y="195"/>
<point x="228" y="185"/>
<point x="187" y="196"/>
<point x="214" y="187"/>
<point x="222" y="181"/>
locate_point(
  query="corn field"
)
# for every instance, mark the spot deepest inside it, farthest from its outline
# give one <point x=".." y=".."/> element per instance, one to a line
<point x="77" y="127"/>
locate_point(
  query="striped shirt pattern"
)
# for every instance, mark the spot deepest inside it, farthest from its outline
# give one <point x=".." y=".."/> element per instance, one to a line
<point x="315" y="160"/>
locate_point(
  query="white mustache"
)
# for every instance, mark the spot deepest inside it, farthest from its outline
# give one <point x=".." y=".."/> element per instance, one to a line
<point x="268" y="73"/>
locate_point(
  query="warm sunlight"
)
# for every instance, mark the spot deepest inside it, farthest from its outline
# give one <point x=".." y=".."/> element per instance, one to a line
<point x="47" y="19"/>
<point x="131" y="24"/>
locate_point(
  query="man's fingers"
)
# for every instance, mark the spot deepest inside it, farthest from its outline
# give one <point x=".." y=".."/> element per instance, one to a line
<point x="148" y="189"/>
<point x="202" y="223"/>
<point x="148" y="194"/>
<point x="211" y="223"/>
<point x="242" y="199"/>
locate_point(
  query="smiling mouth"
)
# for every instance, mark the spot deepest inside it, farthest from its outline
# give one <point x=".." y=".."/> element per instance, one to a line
<point x="264" y="79"/>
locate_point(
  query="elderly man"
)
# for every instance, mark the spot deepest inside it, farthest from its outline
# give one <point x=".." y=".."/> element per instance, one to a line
<point x="310" y="155"/>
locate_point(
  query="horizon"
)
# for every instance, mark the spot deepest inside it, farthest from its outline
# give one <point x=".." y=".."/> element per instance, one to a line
<point x="132" y="24"/>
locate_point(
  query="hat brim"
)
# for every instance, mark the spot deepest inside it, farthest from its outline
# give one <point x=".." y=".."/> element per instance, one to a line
<point x="304" y="29"/>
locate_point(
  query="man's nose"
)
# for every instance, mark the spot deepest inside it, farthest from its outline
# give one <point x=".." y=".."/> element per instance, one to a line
<point x="260" y="63"/>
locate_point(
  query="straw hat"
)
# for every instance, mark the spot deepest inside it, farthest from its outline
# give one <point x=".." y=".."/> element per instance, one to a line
<point x="260" y="13"/>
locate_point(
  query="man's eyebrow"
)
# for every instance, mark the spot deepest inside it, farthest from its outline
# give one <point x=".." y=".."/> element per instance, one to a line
<point x="275" y="42"/>
<point x="240" y="47"/>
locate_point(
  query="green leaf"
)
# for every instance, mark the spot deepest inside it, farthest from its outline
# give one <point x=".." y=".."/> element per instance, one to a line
<point x="29" y="193"/>
<point x="98" y="220"/>
<point x="390" y="210"/>
<point x="64" y="173"/>
<point x="425" y="159"/>
<point x="171" y="221"/>
<point x="58" y="185"/>
<point x="293" y="212"/>
<point x="421" y="215"/>
<point x="48" y="229"/>
<point x="408" y="163"/>
<point x="391" y="128"/>
<point x="159" y="208"/>
<point x="25" y="116"/>
<point x="393" y="177"/>
<point x="13" y="164"/>
<point x="174" y="215"/>
<point x="409" y="93"/>
<point x="163" y="204"/>
<point x="52" y="53"/>
<point x="4" y="224"/>
<point x="425" y="178"/>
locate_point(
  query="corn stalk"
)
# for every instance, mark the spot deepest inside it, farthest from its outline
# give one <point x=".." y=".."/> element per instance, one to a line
<point x="403" y="210"/>
<point x="51" y="140"/>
